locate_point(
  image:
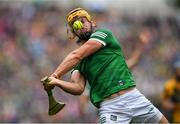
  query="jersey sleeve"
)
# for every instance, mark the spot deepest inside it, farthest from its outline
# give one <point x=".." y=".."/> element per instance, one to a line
<point x="101" y="36"/>
<point x="77" y="68"/>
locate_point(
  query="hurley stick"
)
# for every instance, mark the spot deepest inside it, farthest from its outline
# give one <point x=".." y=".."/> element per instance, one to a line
<point x="54" y="106"/>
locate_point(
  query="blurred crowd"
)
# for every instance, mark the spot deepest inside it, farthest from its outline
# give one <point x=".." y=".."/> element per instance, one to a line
<point x="33" y="42"/>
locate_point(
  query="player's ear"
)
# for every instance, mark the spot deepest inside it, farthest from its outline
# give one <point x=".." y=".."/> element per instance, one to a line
<point x="93" y="24"/>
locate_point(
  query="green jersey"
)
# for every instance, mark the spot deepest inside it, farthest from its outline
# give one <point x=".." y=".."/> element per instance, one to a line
<point x="105" y="70"/>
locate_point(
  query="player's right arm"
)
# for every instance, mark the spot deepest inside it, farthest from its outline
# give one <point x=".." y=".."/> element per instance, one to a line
<point x="75" y="87"/>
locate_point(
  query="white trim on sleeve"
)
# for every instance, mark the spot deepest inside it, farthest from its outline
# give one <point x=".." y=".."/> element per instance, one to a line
<point x="74" y="70"/>
<point x="102" y="42"/>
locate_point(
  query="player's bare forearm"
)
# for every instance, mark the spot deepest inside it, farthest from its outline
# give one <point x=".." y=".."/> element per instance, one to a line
<point x="67" y="64"/>
<point x="75" y="86"/>
<point x="70" y="87"/>
<point x="76" y="56"/>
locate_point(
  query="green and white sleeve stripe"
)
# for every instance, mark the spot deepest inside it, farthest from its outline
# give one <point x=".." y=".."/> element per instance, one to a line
<point x="99" y="36"/>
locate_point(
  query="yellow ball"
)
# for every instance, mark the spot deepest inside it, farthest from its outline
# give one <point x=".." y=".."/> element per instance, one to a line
<point x="77" y="25"/>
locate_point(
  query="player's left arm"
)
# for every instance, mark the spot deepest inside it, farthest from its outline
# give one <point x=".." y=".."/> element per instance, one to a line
<point x="75" y="87"/>
<point x="88" y="48"/>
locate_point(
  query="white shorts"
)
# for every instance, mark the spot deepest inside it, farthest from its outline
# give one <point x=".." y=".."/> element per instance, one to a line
<point x="131" y="107"/>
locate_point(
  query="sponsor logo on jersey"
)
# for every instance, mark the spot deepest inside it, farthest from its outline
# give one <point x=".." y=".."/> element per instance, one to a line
<point x="121" y="82"/>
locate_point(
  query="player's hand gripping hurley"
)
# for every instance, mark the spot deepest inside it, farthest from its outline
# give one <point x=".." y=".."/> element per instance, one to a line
<point x="54" y="106"/>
